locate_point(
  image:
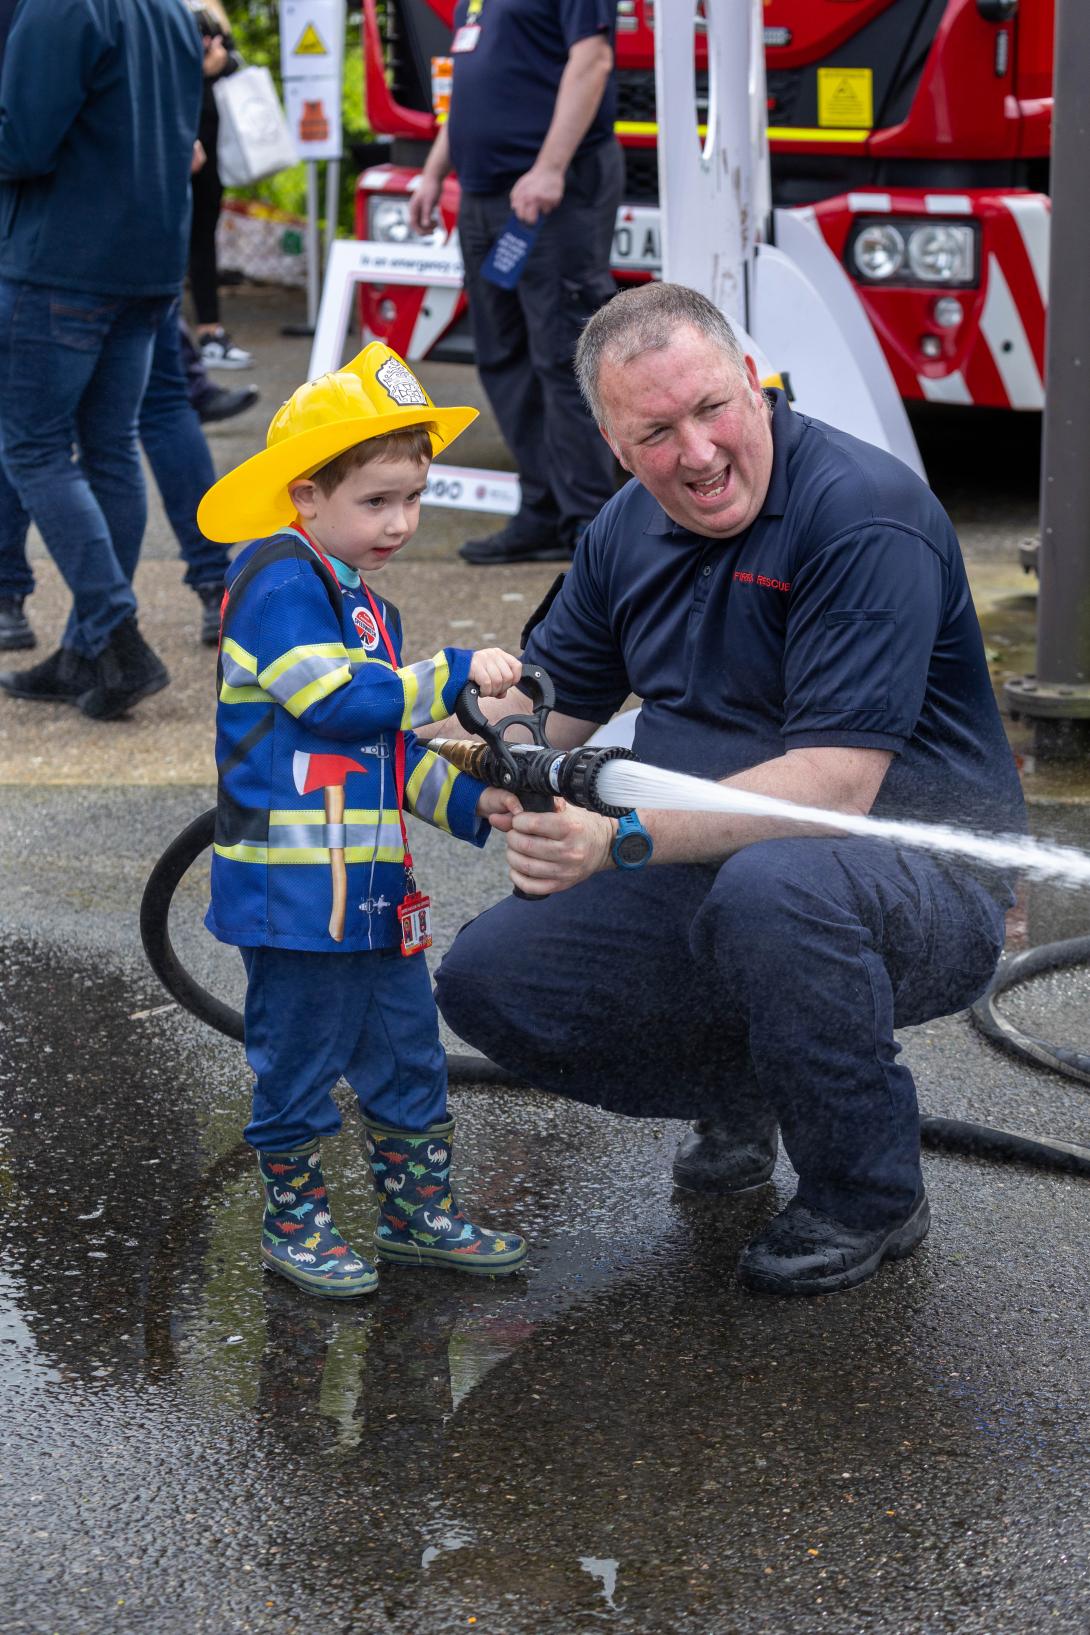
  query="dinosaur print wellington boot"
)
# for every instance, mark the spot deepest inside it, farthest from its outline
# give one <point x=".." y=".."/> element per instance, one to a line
<point x="298" y="1237"/>
<point x="420" y="1222"/>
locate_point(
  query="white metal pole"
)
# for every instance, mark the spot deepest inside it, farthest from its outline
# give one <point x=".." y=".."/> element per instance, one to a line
<point x="713" y="198"/>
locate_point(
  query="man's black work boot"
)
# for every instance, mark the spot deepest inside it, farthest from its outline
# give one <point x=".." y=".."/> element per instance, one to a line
<point x="125" y="672"/>
<point x="15" y="631"/>
<point x="712" y="1157"/>
<point x="516" y="543"/>
<point x="803" y="1251"/>
<point x="59" y="679"/>
<point x="211" y="597"/>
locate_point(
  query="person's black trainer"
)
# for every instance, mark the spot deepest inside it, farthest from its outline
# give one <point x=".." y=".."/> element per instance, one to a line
<point x="803" y="1251"/>
<point x="514" y="544"/>
<point x="711" y="1158"/>
<point x="15" y="631"/>
<point x="124" y="672"/>
<point x="211" y="597"/>
<point x="59" y="679"/>
<point x="221" y="403"/>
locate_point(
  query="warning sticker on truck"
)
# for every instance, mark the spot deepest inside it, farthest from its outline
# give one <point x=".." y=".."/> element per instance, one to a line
<point x="846" y="97"/>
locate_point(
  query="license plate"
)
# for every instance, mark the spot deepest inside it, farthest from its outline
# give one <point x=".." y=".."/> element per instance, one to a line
<point x="637" y="244"/>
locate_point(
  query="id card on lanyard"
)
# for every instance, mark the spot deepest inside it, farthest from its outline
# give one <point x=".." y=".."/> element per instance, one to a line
<point x="466" y="37"/>
<point x="414" y="910"/>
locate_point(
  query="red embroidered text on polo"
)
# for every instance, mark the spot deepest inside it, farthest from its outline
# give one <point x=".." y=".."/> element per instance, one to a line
<point x="761" y="579"/>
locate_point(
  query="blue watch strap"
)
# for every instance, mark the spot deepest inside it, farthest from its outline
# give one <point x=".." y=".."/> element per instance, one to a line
<point x="630" y="826"/>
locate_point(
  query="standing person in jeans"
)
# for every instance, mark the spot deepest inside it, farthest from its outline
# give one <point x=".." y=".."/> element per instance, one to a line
<point x="98" y="116"/>
<point x="531" y="131"/>
<point x="180" y="459"/>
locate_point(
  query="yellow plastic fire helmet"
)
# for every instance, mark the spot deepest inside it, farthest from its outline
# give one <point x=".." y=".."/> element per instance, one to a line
<point x="376" y="393"/>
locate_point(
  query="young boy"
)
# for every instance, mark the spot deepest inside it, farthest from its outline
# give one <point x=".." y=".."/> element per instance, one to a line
<point x="311" y="872"/>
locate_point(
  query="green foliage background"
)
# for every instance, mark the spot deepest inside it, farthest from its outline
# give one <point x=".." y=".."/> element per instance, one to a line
<point x="255" y="25"/>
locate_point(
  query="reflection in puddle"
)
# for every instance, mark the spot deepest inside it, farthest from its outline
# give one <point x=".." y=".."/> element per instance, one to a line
<point x="606" y="1570"/>
<point x="449" y="1542"/>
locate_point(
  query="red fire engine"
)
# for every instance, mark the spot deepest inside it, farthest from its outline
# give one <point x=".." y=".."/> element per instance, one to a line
<point x="918" y="132"/>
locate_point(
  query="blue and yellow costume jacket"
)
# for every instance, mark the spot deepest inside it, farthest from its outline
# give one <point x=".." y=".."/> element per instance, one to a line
<point x="304" y="672"/>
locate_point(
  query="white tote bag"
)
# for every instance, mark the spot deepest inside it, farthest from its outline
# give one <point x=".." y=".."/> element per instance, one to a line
<point x="254" y="139"/>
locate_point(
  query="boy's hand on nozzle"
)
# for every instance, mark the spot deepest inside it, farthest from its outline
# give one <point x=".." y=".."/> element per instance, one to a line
<point x="499" y="806"/>
<point x="494" y="671"/>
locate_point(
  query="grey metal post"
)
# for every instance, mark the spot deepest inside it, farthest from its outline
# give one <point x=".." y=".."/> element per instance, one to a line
<point x="314" y="268"/>
<point x="332" y="201"/>
<point x="1057" y="698"/>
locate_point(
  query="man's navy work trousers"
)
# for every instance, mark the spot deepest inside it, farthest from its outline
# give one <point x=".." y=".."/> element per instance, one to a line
<point x="525" y="340"/>
<point x="775" y="980"/>
<point x="312" y="1017"/>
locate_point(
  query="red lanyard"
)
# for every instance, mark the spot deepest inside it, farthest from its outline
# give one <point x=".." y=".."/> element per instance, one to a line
<point x="399" y="745"/>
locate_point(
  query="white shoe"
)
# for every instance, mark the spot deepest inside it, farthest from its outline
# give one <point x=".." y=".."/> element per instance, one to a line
<point x="218" y="351"/>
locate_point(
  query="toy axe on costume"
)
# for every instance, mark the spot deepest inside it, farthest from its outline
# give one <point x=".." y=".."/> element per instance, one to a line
<point x="327" y="773"/>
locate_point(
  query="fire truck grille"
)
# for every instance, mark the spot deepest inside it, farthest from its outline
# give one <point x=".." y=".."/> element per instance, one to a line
<point x="783" y="96"/>
<point x="641" y="168"/>
<point x="636" y="95"/>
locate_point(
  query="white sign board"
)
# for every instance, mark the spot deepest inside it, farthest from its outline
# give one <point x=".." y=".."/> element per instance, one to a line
<point x="312" y="68"/>
<point x="312" y="39"/>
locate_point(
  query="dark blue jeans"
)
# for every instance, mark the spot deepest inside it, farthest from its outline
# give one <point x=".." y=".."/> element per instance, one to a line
<point x="73" y="367"/>
<point x="774" y="981"/>
<point x="180" y="460"/>
<point x="178" y="453"/>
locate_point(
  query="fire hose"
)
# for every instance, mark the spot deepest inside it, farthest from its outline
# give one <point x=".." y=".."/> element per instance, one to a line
<point x="537" y="772"/>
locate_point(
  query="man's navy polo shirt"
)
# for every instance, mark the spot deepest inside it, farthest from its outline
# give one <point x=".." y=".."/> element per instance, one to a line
<point x="841" y="617"/>
<point x="504" y="91"/>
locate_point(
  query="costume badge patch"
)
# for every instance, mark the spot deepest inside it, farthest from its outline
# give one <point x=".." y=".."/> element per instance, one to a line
<point x="366" y="627"/>
<point x="401" y="384"/>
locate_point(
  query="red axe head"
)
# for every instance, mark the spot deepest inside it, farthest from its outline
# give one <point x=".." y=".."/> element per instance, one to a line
<point x="321" y="771"/>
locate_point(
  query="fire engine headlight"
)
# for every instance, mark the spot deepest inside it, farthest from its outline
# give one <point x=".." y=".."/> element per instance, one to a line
<point x="942" y="254"/>
<point x="388" y="220"/>
<point x="878" y="252"/>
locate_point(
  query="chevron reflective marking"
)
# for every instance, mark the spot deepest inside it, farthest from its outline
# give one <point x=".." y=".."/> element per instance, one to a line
<point x="1002" y="328"/>
<point x="1033" y="220"/>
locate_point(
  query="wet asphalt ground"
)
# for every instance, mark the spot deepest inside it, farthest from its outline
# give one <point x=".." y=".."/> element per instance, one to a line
<point x="619" y="1437"/>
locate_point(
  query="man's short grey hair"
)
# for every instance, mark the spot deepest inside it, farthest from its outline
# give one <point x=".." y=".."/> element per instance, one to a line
<point x="646" y="319"/>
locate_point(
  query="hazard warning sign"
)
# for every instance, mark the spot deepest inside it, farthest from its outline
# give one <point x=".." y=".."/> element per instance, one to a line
<point x="312" y="38"/>
<point x="310" y="44"/>
<point x="846" y="97"/>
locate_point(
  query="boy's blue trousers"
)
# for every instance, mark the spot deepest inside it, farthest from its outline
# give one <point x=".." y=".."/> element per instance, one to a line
<point x="771" y="983"/>
<point x="311" y="1018"/>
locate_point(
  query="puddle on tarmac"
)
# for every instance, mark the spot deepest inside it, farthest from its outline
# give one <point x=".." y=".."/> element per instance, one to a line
<point x="617" y="1436"/>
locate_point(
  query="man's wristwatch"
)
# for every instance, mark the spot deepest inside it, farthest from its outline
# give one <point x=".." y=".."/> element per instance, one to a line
<point x="632" y="845"/>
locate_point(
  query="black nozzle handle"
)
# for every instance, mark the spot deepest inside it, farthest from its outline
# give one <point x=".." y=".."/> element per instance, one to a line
<point x="538" y="687"/>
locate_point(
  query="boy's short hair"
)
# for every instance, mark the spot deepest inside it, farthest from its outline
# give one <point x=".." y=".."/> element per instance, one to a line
<point x="407" y="443"/>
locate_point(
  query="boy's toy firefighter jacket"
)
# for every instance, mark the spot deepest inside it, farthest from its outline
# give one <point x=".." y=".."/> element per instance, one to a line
<point x="305" y="673"/>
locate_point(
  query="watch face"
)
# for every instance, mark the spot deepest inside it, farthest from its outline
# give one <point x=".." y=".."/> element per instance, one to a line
<point x="631" y="848"/>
